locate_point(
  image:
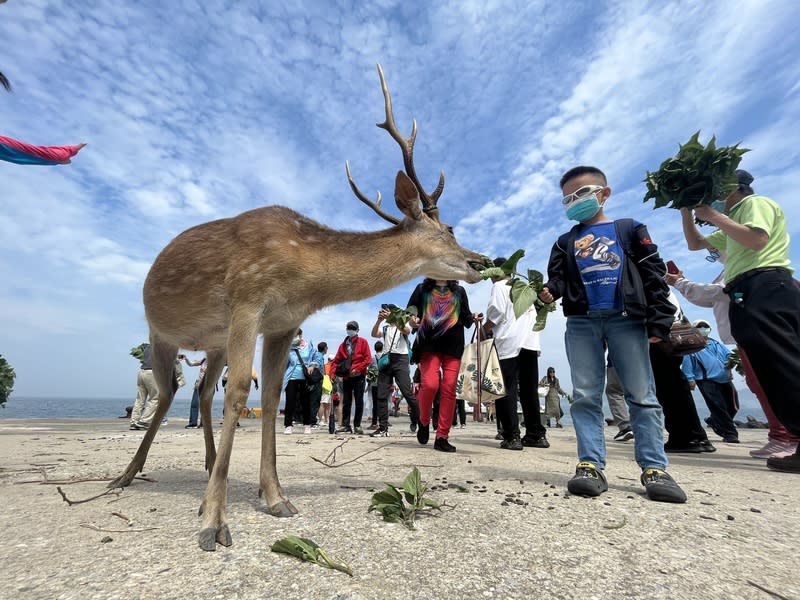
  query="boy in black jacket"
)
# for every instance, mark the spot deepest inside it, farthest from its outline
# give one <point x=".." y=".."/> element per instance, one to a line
<point x="611" y="282"/>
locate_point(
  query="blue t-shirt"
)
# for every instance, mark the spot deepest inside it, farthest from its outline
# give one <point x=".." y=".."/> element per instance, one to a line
<point x="599" y="259"/>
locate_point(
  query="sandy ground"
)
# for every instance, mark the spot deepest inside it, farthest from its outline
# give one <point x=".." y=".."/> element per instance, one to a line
<point x="514" y="532"/>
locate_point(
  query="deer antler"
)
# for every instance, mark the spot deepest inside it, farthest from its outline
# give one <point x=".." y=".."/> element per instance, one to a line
<point x="376" y="205"/>
<point x="407" y="147"/>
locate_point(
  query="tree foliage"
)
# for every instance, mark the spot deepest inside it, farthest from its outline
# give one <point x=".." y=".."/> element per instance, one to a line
<point x="7" y="377"/>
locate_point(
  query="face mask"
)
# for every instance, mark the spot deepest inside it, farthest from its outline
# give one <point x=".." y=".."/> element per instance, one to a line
<point x="296" y="341"/>
<point x="584" y="210"/>
<point x="704" y="330"/>
<point x="352" y="332"/>
<point x="718" y="205"/>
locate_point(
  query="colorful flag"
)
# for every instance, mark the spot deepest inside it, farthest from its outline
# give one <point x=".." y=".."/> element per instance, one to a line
<point x="14" y="151"/>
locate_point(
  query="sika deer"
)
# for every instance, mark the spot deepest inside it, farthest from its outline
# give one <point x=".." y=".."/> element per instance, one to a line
<point x="216" y="286"/>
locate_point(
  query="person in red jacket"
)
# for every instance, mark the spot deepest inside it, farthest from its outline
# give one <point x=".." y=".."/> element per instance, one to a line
<point x="351" y="363"/>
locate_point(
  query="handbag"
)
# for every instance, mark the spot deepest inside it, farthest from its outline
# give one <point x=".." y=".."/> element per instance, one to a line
<point x="684" y="339"/>
<point x="492" y="386"/>
<point x="312" y="377"/>
<point x="383" y="359"/>
<point x="343" y="368"/>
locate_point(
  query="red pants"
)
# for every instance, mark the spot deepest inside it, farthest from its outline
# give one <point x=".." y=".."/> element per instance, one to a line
<point x="429" y="365"/>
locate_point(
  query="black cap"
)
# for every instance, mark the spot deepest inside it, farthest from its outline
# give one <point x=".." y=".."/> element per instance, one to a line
<point x="744" y="177"/>
<point x="352" y="325"/>
<point x="498" y="262"/>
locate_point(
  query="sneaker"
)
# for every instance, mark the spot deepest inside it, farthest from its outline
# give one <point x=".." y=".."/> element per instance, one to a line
<point x="463" y="426"/>
<point x="379" y="433"/>
<point x="773" y="447"/>
<point x="423" y="433"/>
<point x="140" y="425"/>
<point x="346" y="429"/>
<point x="731" y="440"/>
<point x="706" y="446"/>
<point x="587" y="481"/>
<point x="358" y="431"/>
<point x="315" y="426"/>
<point x="164" y="421"/>
<point x="412" y="427"/>
<point x="134" y="427"/>
<point x="443" y="445"/>
<point x="306" y="429"/>
<point x="189" y="426"/>
<point x="787" y="464"/>
<point x="374" y="426"/>
<point x="288" y="430"/>
<point x="532" y="442"/>
<point x="624" y="435"/>
<point x="513" y="444"/>
<point x="660" y="487"/>
<point x="499" y="436"/>
<point x="559" y="426"/>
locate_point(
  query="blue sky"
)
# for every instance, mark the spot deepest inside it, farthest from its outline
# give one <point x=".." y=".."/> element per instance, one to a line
<point x="195" y="111"/>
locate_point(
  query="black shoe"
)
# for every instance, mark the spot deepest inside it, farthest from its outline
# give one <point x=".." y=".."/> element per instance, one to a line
<point x="660" y="487"/>
<point x="532" y="442"/>
<point x="347" y="429"/>
<point x="499" y="436"/>
<point x="380" y="432"/>
<point x="190" y="426"/>
<point x="706" y="446"/>
<point x="412" y="427"/>
<point x="786" y="464"/>
<point x="423" y="433"/>
<point x="731" y="440"/>
<point x="513" y="444"/>
<point x="587" y="481"/>
<point x="443" y="445"/>
<point x="687" y="448"/>
<point x="624" y="435"/>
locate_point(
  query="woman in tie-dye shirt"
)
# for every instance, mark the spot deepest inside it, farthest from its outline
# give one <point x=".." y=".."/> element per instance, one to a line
<point x="444" y="312"/>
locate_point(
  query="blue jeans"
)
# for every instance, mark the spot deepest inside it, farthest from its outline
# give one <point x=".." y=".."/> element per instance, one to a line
<point x="194" y="408"/>
<point x="628" y="347"/>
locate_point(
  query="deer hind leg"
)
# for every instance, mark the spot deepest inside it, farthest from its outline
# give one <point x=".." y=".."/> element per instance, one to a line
<point x="276" y="348"/>
<point x="163" y="355"/>
<point x="216" y="362"/>
<point x="241" y="348"/>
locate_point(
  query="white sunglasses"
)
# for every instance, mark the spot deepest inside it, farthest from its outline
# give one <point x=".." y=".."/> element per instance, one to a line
<point x="581" y="193"/>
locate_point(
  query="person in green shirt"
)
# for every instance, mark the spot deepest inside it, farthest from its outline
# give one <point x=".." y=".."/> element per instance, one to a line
<point x="765" y="300"/>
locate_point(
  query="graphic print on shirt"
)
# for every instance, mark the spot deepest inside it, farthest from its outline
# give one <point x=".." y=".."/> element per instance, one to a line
<point x="599" y="264"/>
<point x="440" y="313"/>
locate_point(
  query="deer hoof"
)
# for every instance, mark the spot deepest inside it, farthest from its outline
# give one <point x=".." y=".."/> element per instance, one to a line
<point x="210" y="537"/>
<point x="282" y="509"/>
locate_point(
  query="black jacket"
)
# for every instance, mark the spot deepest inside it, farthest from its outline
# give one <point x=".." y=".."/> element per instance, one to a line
<point x="645" y="294"/>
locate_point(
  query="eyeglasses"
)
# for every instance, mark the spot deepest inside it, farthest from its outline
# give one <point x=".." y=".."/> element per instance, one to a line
<point x="581" y="193"/>
<point x="713" y="255"/>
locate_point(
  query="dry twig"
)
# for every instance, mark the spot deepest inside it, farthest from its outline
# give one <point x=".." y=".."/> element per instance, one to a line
<point x="330" y="460"/>
<point x="96" y="528"/>
<point x="768" y="591"/>
<point x="71" y="502"/>
<point x="127" y="520"/>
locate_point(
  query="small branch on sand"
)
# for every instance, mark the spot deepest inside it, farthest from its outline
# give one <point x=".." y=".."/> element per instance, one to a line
<point x="330" y="460"/>
<point x="768" y="591"/>
<point x="82" y="480"/>
<point x="127" y="520"/>
<point x="71" y="502"/>
<point x="96" y="528"/>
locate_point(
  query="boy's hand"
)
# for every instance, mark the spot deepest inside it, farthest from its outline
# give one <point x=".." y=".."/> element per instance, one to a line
<point x="546" y="296"/>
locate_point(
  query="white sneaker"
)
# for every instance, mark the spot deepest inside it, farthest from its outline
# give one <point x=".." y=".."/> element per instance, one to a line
<point x="773" y="447"/>
<point x="307" y="429"/>
<point x="288" y="430"/>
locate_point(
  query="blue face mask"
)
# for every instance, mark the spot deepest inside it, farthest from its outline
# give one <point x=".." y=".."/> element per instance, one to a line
<point x="719" y="206"/>
<point x="351" y="332"/>
<point x="584" y="209"/>
<point x="704" y="331"/>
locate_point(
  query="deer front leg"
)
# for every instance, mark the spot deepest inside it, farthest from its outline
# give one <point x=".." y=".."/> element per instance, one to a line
<point x="241" y="347"/>
<point x="275" y="349"/>
<point x="163" y="356"/>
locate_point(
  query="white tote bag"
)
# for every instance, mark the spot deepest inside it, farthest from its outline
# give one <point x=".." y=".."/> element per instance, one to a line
<point x="492" y="386"/>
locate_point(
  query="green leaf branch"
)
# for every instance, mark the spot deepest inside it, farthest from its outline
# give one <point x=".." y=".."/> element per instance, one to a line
<point x="524" y="289"/>
<point x="403" y="502"/>
<point x="309" y="550"/>
<point x="697" y="174"/>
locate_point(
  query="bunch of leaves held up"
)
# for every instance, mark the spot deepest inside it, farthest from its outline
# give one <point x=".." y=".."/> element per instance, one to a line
<point x="309" y="550"/>
<point x="735" y="362"/>
<point x="697" y="174"/>
<point x="399" y="316"/>
<point x="137" y="352"/>
<point x="391" y="502"/>
<point x="523" y="294"/>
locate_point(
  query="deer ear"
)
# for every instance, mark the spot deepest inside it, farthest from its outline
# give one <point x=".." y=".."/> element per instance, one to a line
<point x="407" y="197"/>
